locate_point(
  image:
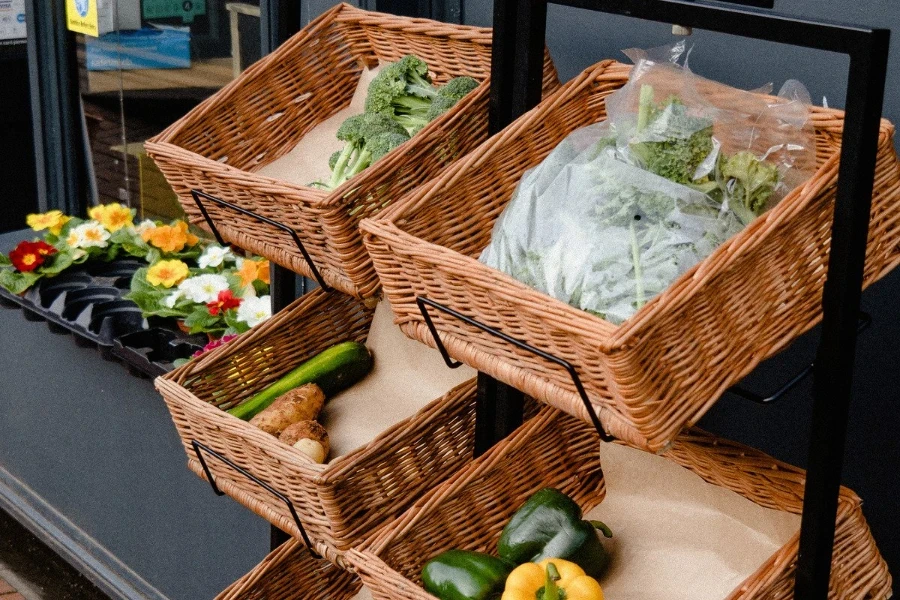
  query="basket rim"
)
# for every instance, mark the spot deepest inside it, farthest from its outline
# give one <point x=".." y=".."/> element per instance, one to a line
<point x="325" y="473"/>
<point x="372" y="549"/>
<point x="162" y="143"/>
<point x="608" y="336"/>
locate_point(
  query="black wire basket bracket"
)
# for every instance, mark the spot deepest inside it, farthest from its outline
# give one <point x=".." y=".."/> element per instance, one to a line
<point x="198" y="200"/>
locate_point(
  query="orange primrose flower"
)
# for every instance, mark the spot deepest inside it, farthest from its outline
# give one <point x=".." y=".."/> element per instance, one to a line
<point x="170" y="238"/>
<point x="251" y="270"/>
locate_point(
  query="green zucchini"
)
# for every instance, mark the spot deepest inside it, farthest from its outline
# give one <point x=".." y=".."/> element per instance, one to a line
<point x="333" y="370"/>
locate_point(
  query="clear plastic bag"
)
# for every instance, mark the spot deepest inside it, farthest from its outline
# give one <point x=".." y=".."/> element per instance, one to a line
<point x="621" y="208"/>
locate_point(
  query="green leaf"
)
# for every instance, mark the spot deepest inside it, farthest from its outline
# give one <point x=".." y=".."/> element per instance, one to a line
<point x="4" y="261"/>
<point x="260" y="287"/>
<point x="153" y="255"/>
<point x="59" y="263"/>
<point x="180" y="362"/>
<point x="70" y="224"/>
<point x="136" y="249"/>
<point x="200" y="321"/>
<point x="15" y="282"/>
<point x="235" y="326"/>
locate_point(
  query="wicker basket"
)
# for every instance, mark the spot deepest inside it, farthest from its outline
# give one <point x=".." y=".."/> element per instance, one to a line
<point x="484" y="497"/>
<point x="663" y="368"/>
<point x="262" y="115"/>
<point x="291" y="573"/>
<point x="339" y="503"/>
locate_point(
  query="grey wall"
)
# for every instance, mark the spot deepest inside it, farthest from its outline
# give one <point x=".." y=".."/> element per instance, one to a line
<point x="579" y="38"/>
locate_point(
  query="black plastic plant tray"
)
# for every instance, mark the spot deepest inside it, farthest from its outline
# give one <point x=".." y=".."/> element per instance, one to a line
<point x="88" y="302"/>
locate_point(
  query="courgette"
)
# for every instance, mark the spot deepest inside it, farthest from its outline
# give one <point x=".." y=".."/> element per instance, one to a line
<point x="333" y="370"/>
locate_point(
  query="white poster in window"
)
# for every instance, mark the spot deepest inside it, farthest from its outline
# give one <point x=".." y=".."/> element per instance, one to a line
<point x="12" y="19"/>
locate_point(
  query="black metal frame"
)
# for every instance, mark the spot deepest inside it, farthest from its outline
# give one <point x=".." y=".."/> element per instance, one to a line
<point x="212" y="482"/>
<point x="518" y="53"/>
<point x="197" y="194"/>
<point x="60" y="146"/>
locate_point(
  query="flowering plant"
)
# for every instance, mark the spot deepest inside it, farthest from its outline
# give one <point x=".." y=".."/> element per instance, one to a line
<point x="219" y="296"/>
<point x="106" y="234"/>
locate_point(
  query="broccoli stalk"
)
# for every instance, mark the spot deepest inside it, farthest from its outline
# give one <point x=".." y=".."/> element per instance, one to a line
<point x="645" y="107"/>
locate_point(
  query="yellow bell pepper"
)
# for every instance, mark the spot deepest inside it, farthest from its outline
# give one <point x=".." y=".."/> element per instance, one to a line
<point x="551" y="579"/>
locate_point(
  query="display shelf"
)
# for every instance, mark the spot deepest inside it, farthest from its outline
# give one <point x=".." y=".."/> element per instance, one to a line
<point x="867" y="49"/>
<point x="88" y="302"/>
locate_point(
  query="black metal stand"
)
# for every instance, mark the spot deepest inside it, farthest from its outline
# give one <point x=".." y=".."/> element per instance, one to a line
<point x="518" y="49"/>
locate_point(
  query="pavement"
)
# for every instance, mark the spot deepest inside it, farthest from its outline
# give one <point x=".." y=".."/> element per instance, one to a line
<point x="29" y="570"/>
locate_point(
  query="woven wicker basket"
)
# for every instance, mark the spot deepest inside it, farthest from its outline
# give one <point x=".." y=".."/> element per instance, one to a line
<point x="262" y="115"/>
<point x="470" y="510"/>
<point x="291" y="573"/>
<point x="339" y="503"/>
<point x="663" y="368"/>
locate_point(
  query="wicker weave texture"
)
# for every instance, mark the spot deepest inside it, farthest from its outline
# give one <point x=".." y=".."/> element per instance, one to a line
<point x="340" y="503"/>
<point x="470" y="511"/>
<point x="663" y="368"/>
<point x="262" y="115"/>
<point x="291" y="573"/>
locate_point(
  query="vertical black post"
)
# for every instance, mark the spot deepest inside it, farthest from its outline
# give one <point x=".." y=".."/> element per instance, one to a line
<point x="840" y="306"/>
<point x="516" y="75"/>
<point x="279" y="20"/>
<point x="59" y="140"/>
<point x="499" y="410"/>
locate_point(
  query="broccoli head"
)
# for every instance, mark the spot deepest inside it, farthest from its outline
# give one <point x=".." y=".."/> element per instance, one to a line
<point x="383" y="143"/>
<point x="360" y="132"/>
<point x="402" y="91"/>
<point x="332" y="160"/>
<point x="749" y="183"/>
<point x="449" y="95"/>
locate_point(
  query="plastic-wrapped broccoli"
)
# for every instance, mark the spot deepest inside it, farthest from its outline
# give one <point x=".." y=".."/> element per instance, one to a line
<point x="622" y="208"/>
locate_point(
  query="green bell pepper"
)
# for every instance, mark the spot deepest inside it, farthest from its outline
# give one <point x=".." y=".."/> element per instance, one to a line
<point x="549" y="525"/>
<point x="464" y="575"/>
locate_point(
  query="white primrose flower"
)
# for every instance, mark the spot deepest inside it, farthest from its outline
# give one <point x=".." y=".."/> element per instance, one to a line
<point x="254" y="311"/>
<point x="144" y="225"/>
<point x="172" y="299"/>
<point x="214" y="256"/>
<point x="87" y="235"/>
<point x="203" y="289"/>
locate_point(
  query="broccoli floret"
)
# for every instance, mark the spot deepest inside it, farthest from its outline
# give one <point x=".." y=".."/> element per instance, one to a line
<point x="359" y="132"/>
<point x="687" y="140"/>
<point x="332" y="160"/>
<point x="383" y="143"/>
<point x="749" y="183"/>
<point x="457" y="87"/>
<point x="402" y="91"/>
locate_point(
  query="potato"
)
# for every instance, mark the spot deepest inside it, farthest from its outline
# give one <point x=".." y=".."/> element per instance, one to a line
<point x="308" y="437"/>
<point x="300" y="404"/>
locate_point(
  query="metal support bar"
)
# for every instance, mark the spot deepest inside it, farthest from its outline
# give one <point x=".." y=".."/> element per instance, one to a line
<point x="868" y="52"/>
<point x="864" y="321"/>
<point x="832" y="387"/>
<point x="59" y="139"/>
<point x="197" y="194"/>
<point x="499" y="410"/>
<point x="212" y="482"/>
<point x="424" y="303"/>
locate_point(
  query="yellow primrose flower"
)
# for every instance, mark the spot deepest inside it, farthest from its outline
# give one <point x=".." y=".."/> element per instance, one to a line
<point x="52" y="220"/>
<point x="113" y="216"/>
<point x="167" y="273"/>
<point x="170" y="238"/>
